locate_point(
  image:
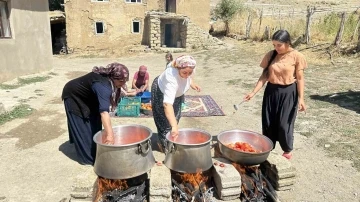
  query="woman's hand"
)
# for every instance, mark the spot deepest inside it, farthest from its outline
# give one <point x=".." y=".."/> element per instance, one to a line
<point x="195" y="87"/>
<point x="174" y="132"/>
<point x="108" y="138"/>
<point x="249" y="96"/>
<point x="302" y="106"/>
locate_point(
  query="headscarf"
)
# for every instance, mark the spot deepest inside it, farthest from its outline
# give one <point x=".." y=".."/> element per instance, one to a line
<point x="143" y="68"/>
<point x="114" y="71"/>
<point x="184" y="61"/>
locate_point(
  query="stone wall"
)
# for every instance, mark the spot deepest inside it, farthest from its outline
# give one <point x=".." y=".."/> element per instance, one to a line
<point x="117" y="16"/>
<point x="187" y="34"/>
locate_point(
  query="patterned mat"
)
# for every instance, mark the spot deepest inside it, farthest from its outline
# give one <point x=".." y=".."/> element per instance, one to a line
<point x="198" y="106"/>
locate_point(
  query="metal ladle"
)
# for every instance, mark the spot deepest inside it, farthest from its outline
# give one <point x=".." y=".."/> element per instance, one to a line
<point x="236" y="107"/>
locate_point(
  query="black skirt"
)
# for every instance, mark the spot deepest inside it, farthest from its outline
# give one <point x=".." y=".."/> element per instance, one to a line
<point x="81" y="133"/>
<point x="162" y="124"/>
<point x="279" y="110"/>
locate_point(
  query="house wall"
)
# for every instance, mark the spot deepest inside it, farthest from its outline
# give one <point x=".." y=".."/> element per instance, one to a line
<point x="29" y="50"/>
<point x="198" y="11"/>
<point x="117" y="16"/>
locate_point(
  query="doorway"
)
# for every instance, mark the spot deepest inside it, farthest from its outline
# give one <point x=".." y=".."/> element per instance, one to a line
<point x="168" y="35"/>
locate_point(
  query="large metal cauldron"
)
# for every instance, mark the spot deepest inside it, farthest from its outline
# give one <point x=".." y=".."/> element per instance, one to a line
<point x="189" y="152"/>
<point x="130" y="156"/>
<point x="258" y="141"/>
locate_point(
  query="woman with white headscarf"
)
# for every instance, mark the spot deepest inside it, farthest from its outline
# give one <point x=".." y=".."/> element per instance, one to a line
<point x="168" y="91"/>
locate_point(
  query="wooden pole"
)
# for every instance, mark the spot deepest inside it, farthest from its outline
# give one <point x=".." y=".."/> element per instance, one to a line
<point x="310" y="12"/>
<point x="248" y="26"/>
<point x="358" y="44"/>
<point x="356" y="29"/>
<point x="261" y="18"/>
<point x="341" y="30"/>
<point x="266" y="35"/>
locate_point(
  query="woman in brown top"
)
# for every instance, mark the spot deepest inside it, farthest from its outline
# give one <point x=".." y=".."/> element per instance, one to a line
<point x="283" y="71"/>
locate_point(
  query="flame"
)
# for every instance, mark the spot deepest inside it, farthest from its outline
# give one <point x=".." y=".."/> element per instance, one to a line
<point x="104" y="185"/>
<point x="195" y="179"/>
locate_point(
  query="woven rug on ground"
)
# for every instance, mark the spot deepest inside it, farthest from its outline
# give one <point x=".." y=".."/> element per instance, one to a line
<point x="200" y="106"/>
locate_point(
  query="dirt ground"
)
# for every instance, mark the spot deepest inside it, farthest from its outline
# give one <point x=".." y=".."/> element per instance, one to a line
<point x="39" y="164"/>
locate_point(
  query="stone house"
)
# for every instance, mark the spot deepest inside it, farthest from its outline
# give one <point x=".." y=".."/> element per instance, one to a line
<point x="25" y="38"/>
<point x="106" y="25"/>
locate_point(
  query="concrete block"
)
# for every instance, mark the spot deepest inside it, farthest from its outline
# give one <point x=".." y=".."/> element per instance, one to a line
<point x="229" y="192"/>
<point x="160" y="181"/>
<point x="80" y="200"/>
<point x="279" y="176"/>
<point x="227" y="174"/>
<point x="284" y="188"/>
<point x="81" y="195"/>
<point x="285" y="182"/>
<point x="278" y="163"/>
<point x="159" y="199"/>
<point x="228" y="198"/>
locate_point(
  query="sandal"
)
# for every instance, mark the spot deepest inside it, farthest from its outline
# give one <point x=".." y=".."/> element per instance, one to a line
<point x="287" y="155"/>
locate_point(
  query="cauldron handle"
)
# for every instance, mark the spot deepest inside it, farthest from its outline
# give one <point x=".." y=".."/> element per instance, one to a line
<point x="171" y="147"/>
<point x="141" y="147"/>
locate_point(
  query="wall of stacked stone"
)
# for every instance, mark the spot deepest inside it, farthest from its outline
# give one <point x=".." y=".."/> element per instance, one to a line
<point x="155" y="32"/>
<point x="191" y="35"/>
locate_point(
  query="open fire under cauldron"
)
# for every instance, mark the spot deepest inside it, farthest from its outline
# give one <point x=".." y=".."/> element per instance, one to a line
<point x="122" y="167"/>
<point x="188" y="156"/>
<point x="259" y="142"/>
<point x="255" y="186"/>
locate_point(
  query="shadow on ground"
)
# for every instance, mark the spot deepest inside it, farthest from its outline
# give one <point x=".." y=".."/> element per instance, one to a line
<point x="155" y="144"/>
<point x="69" y="151"/>
<point x="348" y="100"/>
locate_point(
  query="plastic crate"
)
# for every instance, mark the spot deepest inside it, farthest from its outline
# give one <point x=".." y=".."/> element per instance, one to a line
<point x="131" y="100"/>
<point x="132" y="110"/>
<point x="129" y="106"/>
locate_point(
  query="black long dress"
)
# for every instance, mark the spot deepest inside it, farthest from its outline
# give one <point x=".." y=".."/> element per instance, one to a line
<point x="84" y="99"/>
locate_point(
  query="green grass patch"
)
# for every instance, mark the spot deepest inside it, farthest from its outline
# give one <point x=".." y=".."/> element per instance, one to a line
<point x="53" y="74"/>
<point x="24" y="81"/>
<point x="20" y="111"/>
<point x="23" y="100"/>
<point x="306" y="134"/>
<point x="233" y="81"/>
<point x="248" y="85"/>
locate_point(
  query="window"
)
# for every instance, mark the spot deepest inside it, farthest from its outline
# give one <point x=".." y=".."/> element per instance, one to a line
<point x="5" y="31"/>
<point x="133" y="1"/>
<point x="99" y="27"/>
<point x="136" y="27"/>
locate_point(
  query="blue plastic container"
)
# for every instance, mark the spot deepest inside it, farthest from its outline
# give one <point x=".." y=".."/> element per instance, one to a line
<point x="145" y="96"/>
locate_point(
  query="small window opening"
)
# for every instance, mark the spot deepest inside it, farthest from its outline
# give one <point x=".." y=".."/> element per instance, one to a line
<point x="136" y="27"/>
<point x="99" y="27"/>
